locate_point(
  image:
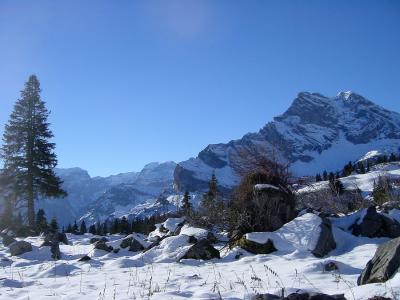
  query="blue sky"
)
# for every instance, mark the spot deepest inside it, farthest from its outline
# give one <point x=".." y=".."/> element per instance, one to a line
<point x="130" y="82"/>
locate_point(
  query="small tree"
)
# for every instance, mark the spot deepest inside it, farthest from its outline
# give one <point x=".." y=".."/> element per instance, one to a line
<point x="381" y="191"/>
<point x="325" y="175"/>
<point x="124" y="226"/>
<point x="41" y="221"/>
<point x="186" y="205"/>
<point x="54" y="225"/>
<point x="92" y="229"/>
<point x="318" y="177"/>
<point x="82" y="229"/>
<point x="75" y="228"/>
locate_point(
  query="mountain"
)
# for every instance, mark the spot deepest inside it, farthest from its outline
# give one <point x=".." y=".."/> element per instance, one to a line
<point x="100" y="197"/>
<point x="316" y="133"/>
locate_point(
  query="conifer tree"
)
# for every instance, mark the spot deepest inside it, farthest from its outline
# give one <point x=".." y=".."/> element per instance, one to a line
<point x="41" y="221"/>
<point x="92" y="229"/>
<point x="75" y="228"/>
<point x="381" y="191"/>
<point x="27" y="152"/>
<point x="54" y="225"/>
<point x="82" y="229"/>
<point x="318" y="177"/>
<point x="186" y="205"/>
<point x="69" y="228"/>
<point x="325" y="175"/>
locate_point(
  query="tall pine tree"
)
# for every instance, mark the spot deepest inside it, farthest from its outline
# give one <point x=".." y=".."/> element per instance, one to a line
<point x="28" y="155"/>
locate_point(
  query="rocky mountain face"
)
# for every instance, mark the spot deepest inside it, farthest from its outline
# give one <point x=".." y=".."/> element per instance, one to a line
<point x="96" y="198"/>
<point x="316" y="133"/>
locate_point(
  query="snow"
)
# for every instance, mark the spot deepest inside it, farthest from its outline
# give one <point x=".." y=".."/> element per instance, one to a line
<point x="198" y="233"/>
<point x="157" y="274"/>
<point x="263" y="186"/>
<point x="300" y="234"/>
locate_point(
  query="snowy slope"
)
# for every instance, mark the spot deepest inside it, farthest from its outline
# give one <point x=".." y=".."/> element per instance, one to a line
<point x="314" y="134"/>
<point x="157" y="274"/>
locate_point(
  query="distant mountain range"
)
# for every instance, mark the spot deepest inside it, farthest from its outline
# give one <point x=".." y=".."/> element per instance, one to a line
<point x="316" y="133"/>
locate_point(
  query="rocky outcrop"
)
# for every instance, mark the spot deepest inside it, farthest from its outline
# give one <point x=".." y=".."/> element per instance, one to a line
<point x="20" y="247"/>
<point x="300" y="296"/>
<point x="96" y="239"/>
<point x="299" y="136"/>
<point x="84" y="258"/>
<point x="202" y="250"/>
<point x="132" y="243"/>
<point x="277" y="204"/>
<point x="254" y="247"/>
<point x="326" y="242"/>
<point x="375" y="224"/>
<point x="101" y="245"/>
<point x="383" y="265"/>
<point x="52" y="238"/>
<point x="7" y="240"/>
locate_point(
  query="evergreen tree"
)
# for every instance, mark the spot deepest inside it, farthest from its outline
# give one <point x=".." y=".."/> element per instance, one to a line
<point x="41" y="221"/>
<point x="325" y="175"/>
<point x="92" y="229"/>
<point x="392" y="157"/>
<point x="381" y="191"/>
<point x="124" y="226"/>
<point x="75" y="229"/>
<point x="115" y="226"/>
<point x="82" y="229"/>
<point x="69" y="228"/>
<point x="318" y="177"/>
<point x="186" y="205"/>
<point x="210" y="197"/>
<point x="28" y="155"/>
<point x="54" y="225"/>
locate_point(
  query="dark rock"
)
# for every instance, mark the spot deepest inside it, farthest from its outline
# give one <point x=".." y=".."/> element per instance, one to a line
<point x="178" y="228"/>
<point x="278" y="206"/>
<point x="326" y="242"/>
<point x="300" y="296"/>
<point x="211" y="237"/>
<point x="8" y="240"/>
<point x="20" y="247"/>
<point x="330" y="266"/>
<point x="116" y="250"/>
<point x="55" y="251"/>
<point x="256" y="248"/>
<point x="379" y="298"/>
<point x="383" y="265"/>
<point x="135" y="246"/>
<point x="84" y="258"/>
<point x="96" y="239"/>
<point x="192" y="240"/>
<point x="266" y="297"/>
<point x="101" y="245"/>
<point x="163" y="229"/>
<point x="202" y="250"/>
<point x="51" y="238"/>
<point x="132" y="243"/>
<point x="376" y="225"/>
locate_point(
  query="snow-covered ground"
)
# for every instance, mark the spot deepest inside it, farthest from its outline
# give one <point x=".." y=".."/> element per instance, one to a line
<point x="364" y="182"/>
<point x="156" y="274"/>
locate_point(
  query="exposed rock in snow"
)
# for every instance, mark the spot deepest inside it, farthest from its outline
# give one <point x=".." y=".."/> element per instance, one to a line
<point x="326" y="242"/>
<point x="383" y="265"/>
<point x="20" y="247"/>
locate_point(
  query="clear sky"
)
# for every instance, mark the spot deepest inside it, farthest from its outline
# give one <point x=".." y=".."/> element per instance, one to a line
<point x="131" y="82"/>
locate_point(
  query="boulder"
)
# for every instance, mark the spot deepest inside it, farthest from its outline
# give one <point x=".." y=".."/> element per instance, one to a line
<point x="330" y="266"/>
<point x="383" y="265"/>
<point x="20" y="247"/>
<point x="375" y="224"/>
<point x="278" y="206"/>
<point x="299" y="296"/>
<point x="55" y="251"/>
<point x="202" y="250"/>
<point x="84" y="258"/>
<point x="326" y="242"/>
<point x="101" y="245"/>
<point x="8" y="240"/>
<point x="132" y="243"/>
<point x="254" y="247"/>
<point x="96" y="239"/>
<point x="116" y="250"/>
<point x="52" y="238"/>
